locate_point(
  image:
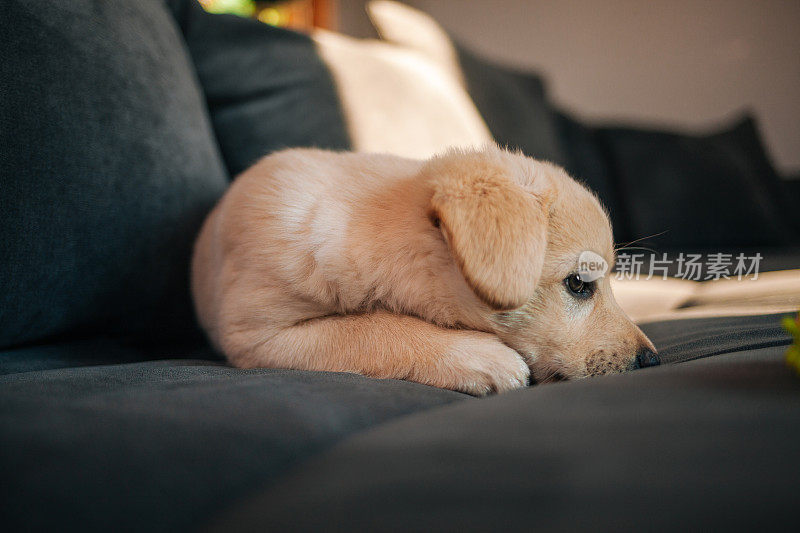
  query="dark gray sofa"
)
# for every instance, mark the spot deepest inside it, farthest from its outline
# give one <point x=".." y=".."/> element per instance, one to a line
<point x="121" y="123"/>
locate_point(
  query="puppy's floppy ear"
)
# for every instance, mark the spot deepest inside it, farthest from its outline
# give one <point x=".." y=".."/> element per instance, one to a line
<point x="496" y="230"/>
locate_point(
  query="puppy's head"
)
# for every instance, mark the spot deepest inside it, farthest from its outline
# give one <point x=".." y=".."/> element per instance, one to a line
<point x="532" y="244"/>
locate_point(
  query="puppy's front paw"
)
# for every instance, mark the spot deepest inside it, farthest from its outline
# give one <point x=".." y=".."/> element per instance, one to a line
<point x="479" y="364"/>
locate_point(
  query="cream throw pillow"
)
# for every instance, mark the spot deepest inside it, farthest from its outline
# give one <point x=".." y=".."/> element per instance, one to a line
<point x="397" y="100"/>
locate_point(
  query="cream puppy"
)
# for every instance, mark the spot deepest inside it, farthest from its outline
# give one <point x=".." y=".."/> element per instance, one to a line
<point x="458" y="272"/>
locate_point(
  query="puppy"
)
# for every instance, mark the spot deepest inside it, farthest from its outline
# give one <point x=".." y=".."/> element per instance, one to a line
<point x="458" y="272"/>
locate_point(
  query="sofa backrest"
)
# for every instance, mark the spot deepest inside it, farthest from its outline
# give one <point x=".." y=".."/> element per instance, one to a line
<point x="108" y="165"/>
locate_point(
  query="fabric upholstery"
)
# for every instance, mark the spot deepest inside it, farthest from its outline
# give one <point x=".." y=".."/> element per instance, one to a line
<point x="163" y="445"/>
<point x="169" y="444"/>
<point x="679" y="341"/>
<point x="709" y="444"/>
<point x="108" y="166"/>
<point x="114" y="418"/>
<point x="266" y="87"/>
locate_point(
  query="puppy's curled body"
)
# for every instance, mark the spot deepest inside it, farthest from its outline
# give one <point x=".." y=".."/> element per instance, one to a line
<point x="379" y="265"/>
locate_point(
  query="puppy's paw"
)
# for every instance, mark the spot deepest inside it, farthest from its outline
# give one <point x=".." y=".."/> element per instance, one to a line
<point x="480" y="364"/>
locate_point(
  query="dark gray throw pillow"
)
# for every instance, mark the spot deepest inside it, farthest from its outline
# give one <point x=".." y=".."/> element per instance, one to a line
<point x="107" y="167"/>
<point x="585" y="161"/>
<point x="266" y="87"/>
<point x="514" y="106"/>
<point x="701" y="190"/>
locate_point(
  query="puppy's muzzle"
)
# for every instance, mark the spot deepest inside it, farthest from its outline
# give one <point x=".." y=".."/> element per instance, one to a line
<point x="646" y="358"/>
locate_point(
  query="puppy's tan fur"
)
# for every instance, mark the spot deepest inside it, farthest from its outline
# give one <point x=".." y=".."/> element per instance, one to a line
<point x="447" y="272"/>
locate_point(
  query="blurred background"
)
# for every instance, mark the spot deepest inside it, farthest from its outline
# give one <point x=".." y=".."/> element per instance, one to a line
<point x="685" y="64"/>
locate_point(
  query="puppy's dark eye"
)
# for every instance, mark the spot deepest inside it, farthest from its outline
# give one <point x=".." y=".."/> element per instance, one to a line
<point x="578" y="287"/>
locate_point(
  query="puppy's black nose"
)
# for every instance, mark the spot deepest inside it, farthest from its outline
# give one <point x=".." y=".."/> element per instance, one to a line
<point x="647" y="358"/>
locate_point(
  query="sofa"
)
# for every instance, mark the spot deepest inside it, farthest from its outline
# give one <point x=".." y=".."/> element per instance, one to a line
<point x="122" y="123"/>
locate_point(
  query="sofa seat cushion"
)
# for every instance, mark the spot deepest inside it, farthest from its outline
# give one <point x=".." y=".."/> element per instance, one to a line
<point x="684" y="340"/>
<point x="163" y="445"/>
<point x="709" y="444"/>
